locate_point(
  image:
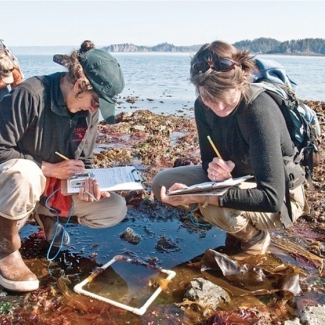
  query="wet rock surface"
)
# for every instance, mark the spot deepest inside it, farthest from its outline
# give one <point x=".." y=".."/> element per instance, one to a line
<point x="206" y="294"/>
<point x="165" y="245"/>
<point x="131" y="236"/>
<point x="313" y="315"/>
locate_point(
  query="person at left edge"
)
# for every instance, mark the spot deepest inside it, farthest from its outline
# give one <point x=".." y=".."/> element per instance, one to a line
<point x="10" y="75"/>
<point x="40" y="116"/>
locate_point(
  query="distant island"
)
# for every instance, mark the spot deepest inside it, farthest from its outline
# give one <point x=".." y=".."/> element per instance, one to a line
<point x="262" y="45"/>
<point x="163" y="47"/>
<point x="307" y="46"/>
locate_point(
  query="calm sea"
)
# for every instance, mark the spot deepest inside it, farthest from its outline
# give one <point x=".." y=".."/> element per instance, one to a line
<point x="160" y="81"/>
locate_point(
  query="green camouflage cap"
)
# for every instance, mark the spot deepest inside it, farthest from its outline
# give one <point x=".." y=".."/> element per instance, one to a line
<point x="106" y="77"/>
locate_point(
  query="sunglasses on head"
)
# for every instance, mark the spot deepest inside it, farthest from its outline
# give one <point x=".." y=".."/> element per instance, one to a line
<point x="7" y="71"/>
<point x="220" y="65"/>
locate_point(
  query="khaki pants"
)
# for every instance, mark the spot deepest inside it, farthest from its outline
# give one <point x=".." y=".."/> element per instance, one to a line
<point x="22" y="183"/>
<point x="230" y="220"/>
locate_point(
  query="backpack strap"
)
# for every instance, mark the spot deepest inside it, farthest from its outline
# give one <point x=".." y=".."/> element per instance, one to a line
<point x="294" y="176"/>
<point x="256" y="89"/>
<point x="306" y="154"/>
<point x="286" y="210"/>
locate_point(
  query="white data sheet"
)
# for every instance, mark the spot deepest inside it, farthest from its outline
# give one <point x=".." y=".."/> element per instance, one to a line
<point x="109" y="179"/>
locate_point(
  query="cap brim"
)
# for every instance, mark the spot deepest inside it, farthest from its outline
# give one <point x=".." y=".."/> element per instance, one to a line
<point x="9" y="79"/>
<point x="108" y="110"/>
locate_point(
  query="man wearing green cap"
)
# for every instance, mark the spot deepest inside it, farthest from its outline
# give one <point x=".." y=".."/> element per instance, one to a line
<point x="42" y="116"/>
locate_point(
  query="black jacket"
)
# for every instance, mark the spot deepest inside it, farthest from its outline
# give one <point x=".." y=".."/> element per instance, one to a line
<point x="255" y="137"/>
<point x="35" y="122"/>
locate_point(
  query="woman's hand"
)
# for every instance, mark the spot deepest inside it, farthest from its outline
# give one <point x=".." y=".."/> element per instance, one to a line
<point x="64" y="169"/>
<point x="179" y="199"/>
<point x="91" y="191"/>
<point x="220" y="170"/>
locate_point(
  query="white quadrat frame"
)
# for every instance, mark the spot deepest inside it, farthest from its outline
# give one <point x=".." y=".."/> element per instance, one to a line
<point x="138" y="311"/>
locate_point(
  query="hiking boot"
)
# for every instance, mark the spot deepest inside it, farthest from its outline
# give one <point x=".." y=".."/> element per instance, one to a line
<point x="257" y="245"/>
<point x="53" y="228"/>
<point x="253" y="242"/>
<point x="14" y="274"/>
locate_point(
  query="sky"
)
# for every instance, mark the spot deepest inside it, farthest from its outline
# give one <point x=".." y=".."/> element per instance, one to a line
<point x="56" y="23"/>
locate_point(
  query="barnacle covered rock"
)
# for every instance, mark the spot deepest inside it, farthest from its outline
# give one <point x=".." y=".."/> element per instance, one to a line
<point x="131" y="236"/>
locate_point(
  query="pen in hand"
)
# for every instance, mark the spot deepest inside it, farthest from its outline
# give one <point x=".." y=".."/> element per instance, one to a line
<point x="62" y="156"/>
<point x="216" y="151"/>
<point x="66" y="158"/>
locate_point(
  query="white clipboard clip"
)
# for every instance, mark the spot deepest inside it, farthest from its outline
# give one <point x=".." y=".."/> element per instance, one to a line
<point x="78" y="179"/>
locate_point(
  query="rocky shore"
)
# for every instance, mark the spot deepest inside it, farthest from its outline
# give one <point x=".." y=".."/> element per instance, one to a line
<point x="151" y="142"/>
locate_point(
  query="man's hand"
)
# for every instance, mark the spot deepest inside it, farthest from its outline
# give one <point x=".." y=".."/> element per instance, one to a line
<point x="64" y="169"/>
<point x="91" y="191"/>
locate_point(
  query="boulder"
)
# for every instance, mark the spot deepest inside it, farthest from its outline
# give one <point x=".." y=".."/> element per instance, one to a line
<point x="206" y="294"/>
<point x="313" y="315"/>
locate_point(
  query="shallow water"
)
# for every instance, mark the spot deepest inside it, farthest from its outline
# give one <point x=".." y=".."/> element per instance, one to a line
<point x="128" y="283"/>
<point x="160" y="82"/>
<point x="125" y="282"/>
<point x="92" y="248"/>
<point x="103" y="244"/>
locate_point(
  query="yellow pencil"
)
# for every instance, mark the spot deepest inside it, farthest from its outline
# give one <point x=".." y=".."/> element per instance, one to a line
<point x="60" y="155"/>
<point x="66" y="158"/>
<point x="214" y="147"/>
<point x="216" y="151"/>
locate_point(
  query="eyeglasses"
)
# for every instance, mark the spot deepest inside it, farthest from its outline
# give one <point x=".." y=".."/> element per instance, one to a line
<point x="220" y="65"/>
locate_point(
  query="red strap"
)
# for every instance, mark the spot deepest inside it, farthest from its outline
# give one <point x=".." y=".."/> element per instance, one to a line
<point x="62" y="204"/>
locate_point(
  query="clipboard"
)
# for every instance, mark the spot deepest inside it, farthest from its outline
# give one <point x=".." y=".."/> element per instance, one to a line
<point x="126" y="178"/>
<point x="215" y="188"/>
